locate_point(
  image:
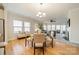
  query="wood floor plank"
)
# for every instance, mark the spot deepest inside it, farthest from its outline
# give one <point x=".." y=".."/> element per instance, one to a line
<point x="17" y="47"/>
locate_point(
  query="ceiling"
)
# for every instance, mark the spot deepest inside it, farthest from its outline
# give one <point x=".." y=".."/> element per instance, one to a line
<point x="55" y="11"/>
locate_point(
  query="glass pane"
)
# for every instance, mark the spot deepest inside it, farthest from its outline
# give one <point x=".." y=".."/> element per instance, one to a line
<point x="27" y="29"/>
<point x="48" y="27"/>
<point x="53" y="27"/>
<point x="26" y="24"/>
<point x="44" y="27"/>
<point x="17" y="29"/>
<point x="17" y="23"/>
<point x="63" y="27"/>
<point x="58" y="27"/>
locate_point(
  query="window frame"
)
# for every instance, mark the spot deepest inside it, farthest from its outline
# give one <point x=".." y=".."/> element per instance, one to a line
<point x="22" y="26"/>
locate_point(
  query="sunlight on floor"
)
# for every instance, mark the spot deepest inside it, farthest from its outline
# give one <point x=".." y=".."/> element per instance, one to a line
<point x="17" y="49"/>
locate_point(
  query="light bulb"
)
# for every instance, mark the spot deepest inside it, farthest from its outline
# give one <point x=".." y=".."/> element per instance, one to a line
<point x="39" y="13"/>
<point x="40" y="16"/>
<point x="44" y="14"/>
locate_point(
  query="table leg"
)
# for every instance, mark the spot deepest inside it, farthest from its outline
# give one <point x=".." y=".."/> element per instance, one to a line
<point x="4" y="51"/>
<point x="25" y="42"/>
<point x="52" y="43"/>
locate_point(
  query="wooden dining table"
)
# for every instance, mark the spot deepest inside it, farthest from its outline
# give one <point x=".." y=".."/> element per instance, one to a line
<point x="32" y="40"/>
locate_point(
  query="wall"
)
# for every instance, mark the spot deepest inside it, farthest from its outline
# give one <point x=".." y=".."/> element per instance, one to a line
<point x="1" y="22"/>
<point x="1" y="14"/>
<point x="1" y="30"/>
<point x="1" y="17"/>
<point x="74" y="25"/>
<point x="12" y="16"/>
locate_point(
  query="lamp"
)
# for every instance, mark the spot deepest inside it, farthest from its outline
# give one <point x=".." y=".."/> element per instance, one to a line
<point x="40" y="13"/>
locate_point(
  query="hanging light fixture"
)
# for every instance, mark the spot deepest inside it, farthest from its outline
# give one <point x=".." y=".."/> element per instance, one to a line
<point x="41" y="3"/>
<point x="40" y="13"/>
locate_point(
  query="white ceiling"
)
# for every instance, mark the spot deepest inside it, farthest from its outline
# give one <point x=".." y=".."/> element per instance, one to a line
<point x="56" y="11"/>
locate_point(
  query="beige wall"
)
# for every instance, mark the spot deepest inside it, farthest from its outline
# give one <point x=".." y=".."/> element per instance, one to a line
<point x="9" y="22"/>
<point x="1" y="51"/>
<point x="74" y="25"/>
<point x="1" y="13"/>
<point x="1" y="30"/>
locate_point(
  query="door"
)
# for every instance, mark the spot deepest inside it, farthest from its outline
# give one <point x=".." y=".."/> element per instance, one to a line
<point x="2" y="31"/>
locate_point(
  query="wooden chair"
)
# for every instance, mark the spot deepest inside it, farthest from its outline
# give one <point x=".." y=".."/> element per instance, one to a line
<point x="39" y="42"/>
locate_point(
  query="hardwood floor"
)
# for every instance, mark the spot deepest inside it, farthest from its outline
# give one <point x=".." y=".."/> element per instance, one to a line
<point x="17" y="47"/>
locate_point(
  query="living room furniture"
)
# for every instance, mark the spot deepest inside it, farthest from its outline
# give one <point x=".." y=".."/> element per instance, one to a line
<point x="39" y="42"/>
<point x="51" y="41"/>
<point x="23" y="36"/>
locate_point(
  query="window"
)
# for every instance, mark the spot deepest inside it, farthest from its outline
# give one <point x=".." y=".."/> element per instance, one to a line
<point x="36" y="27"/>
<point x="44" y="27"/>
<point x="53" y="27"/>
<point x="58" y="27"/>
<point x="26" y="26"/>
<point x="20" y="26"/>
<point x="63" y="27"/>
<point x="48" y="27"/>
<point x="17" y="26"/>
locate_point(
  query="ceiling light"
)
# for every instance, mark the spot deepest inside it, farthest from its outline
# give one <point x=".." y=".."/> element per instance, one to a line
<point x="41" y="3"/>
<point x="39" y="13"/>
<point x="44" y="14"/>
<point x="40" y="16"/>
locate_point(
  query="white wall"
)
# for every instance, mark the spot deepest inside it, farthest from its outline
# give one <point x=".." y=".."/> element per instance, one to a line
<point x="74" y="25"/>
<point x="9" y="23"/>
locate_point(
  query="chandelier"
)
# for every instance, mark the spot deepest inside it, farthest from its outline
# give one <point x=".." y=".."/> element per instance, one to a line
<point x="41" y="14"/>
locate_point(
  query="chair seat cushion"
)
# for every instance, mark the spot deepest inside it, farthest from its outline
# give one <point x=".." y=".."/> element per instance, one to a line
<point x="38" y="44"/>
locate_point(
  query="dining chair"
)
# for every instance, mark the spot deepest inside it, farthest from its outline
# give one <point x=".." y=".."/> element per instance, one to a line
<point x="39" y="42"/>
